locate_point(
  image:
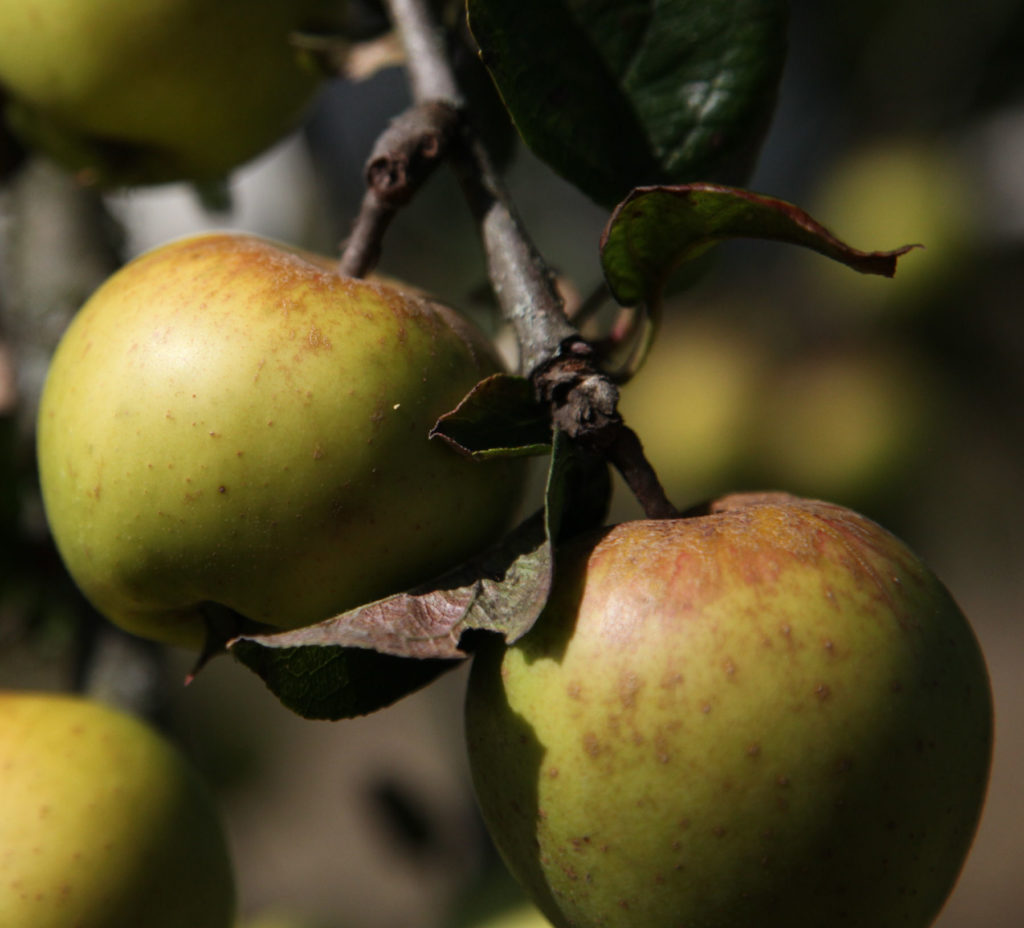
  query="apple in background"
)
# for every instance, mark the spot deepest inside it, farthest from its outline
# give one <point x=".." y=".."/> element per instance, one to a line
<point x="522" y="915"/>
<point x="772" y="714"/>
<point x="103" y="824"/>
<point x="895" y="192"/>
<point x="231" y="421"/>
<point x="694" y="402"/>
<point x="128" y="93"/>
<point x="848" y="423"/>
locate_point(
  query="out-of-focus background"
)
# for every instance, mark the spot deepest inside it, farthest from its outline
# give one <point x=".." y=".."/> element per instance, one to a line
<point x="899" y="121"/>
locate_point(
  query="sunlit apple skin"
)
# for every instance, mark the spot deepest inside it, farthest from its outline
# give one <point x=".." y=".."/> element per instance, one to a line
<point x="771" y="715"/>
<point x="156" y="91"/>
<point x="230" y="421"/>
<point x="103" y="824"/>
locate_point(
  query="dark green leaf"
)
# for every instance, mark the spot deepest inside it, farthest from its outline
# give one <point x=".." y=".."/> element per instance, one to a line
<point x="498" y="418"/>
<point x="656" y="228"/>
<point x="617" y="94"/>
<point x="366" y="658"/>
<point x="335" y="682"/>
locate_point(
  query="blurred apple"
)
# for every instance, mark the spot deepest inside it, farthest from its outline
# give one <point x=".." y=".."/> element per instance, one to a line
<point x="893" y="193"/>
<point x="694" y="401"/>
<point x="847" y="423"/>
<point x="164" y="90"/>
<point x="524" y="915"/>
<point x="230" y="421"/>
<point x="772" y="714"/>
<point x="103" y="824"/>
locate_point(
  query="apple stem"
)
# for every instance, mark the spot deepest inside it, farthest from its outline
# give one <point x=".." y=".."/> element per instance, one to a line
<point x="561" y="364"/>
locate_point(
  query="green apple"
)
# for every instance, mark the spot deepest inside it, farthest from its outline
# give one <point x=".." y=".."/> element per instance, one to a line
<point x="522" y="915"/>
<point x="845" y="423"/>
<point x="772" y="714"/>
<point x="230" y="421"/>
<point x="694" y="402"/>
<point x="156" y="91"/>
<point x="103" y="824"/>
<point x="895" y="192"/>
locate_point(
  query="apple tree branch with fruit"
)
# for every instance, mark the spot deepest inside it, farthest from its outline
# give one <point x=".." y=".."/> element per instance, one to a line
<point x="762" y="709"/>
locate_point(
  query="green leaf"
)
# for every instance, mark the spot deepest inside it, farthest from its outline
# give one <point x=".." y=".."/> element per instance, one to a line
<point x="657" y="228"/>
<point x="335" y="682"/>
<point x="498" y="418"/>
<point x="613" y="95"/>
<point x="368" y="657"/>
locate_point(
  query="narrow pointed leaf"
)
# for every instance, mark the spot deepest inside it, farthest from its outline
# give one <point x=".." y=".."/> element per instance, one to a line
<point x="655" y="229"/>
<point x="614" y="95"/>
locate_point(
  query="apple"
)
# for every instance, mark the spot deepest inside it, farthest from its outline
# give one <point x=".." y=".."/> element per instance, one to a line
<point x="103" y="824"/>
<point x="712" y="371"/>
<point x="156" y="91"/>
<point x="231" y="421"/>
<point x="772" y="714"/>
<point x="847" y="423"/>
<point x="894" y="192"/>
<point x="520" y="915"/>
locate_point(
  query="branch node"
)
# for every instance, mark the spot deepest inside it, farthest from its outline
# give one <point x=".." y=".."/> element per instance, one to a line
<point x="402" y="159"/>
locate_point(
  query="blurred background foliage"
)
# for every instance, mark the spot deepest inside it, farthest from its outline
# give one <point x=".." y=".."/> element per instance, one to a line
<point x="899" y="121"/>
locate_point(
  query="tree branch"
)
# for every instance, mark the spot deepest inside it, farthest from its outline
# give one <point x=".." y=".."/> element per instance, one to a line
<point x="561" y="364"/>
<point x="403" y="158"/>
<point x="430" y="75"/>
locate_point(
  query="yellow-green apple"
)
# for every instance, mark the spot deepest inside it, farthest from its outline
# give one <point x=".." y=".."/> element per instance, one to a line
<point x="694" y="402"/>
<point x="227" y="420"/>
<point x="103" y="823"/>
<point x="521" y="915"/>
<point x="772" y="714"/>
<point x="156" y="91"/>
<point x="891" y="193"/>
<point x="845" y="423"/>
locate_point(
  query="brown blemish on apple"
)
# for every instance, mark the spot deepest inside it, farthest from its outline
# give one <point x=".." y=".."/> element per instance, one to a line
<point x="629" y="686"/>
<point x="591" y="744"/>
<point x="671" y="680"/>
<point x="822" y="691"/>
<point x="317" y="340"/>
